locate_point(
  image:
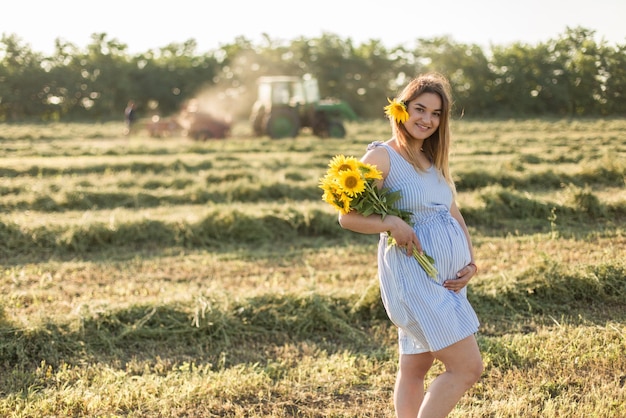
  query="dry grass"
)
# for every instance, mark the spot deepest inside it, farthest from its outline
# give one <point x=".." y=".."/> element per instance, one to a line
<point x="168" y="278"/>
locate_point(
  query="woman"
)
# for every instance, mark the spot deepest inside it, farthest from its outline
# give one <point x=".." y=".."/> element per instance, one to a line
<point x="433" y="316"/>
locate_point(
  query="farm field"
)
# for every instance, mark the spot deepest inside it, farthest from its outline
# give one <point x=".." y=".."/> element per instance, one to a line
<point x="144" y="277"/>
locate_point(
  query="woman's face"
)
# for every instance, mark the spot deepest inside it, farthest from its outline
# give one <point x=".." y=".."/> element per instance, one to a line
<point x="424" y="115"/>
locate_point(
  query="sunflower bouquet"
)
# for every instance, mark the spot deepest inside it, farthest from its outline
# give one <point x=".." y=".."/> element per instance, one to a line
<point x="349" y="184"/>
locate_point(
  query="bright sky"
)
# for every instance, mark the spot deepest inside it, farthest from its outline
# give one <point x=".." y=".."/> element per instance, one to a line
<point x="151" y="24"/>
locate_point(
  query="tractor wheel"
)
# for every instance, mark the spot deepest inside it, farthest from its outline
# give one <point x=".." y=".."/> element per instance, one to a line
<point x="336" y="129"/>
<point x="282" y="124"/>
<point x="320" y="125"/>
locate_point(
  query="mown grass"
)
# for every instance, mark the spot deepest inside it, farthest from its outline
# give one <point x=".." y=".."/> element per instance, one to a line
<point x="172" y="278"/>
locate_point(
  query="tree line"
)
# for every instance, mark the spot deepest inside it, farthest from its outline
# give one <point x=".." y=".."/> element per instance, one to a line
<point x="573" y="75"/>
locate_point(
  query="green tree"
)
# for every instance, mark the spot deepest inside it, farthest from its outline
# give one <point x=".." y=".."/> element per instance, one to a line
<point x="240" y="64"/>
<point x="65" y="85"/>
<point x="95" y="79"/>
<point x="584" y="69"/>
<point x="572" y="75"/>
<point x="615" y="81"/>
<point x="467" y="68"/>
<point x="21" y="80"/>
<point x="163" y="80"/>
<point x="515" y="81"/>
<point x="373" y="73"/>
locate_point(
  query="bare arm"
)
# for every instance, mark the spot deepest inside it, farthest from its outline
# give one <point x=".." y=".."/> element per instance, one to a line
<point x="374" y="224"/>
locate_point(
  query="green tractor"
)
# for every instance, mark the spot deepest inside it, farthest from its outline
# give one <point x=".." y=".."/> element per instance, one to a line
<point x="287" y="104"/>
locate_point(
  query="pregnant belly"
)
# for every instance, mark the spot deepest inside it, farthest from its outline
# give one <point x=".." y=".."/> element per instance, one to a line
<point x="445" y="241"/>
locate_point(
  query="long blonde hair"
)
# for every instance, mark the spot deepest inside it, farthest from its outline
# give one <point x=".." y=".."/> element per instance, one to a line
<point x="437" y="146"/>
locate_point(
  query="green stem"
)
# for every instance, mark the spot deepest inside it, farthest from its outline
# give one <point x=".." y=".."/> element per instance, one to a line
<point x="424" y="260"/>
<point x="373" y="193"/>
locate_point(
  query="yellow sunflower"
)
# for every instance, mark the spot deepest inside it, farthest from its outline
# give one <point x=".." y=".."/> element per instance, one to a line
<point x="341" y="163"/>
<point x="397" y="111"/>
<point x="351" y="182"/>
<point x="346" y="201"/>
<point x="330" y="183"/>
<point x="370" y="171"/>
<point x="334" y="201"/>
<point x="332" y="192"/>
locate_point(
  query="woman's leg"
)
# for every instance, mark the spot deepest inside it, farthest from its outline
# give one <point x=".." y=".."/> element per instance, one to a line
<point x="409" y="390"/>
<point x="464" y="366"/>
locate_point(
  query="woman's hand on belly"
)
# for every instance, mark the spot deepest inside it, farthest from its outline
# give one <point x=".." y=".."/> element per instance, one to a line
<point x="462" y="278"/>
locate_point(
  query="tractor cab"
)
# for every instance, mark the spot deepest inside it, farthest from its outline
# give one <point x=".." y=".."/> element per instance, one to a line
<point x="287" y="91"/>
<point x="287" y="104"/>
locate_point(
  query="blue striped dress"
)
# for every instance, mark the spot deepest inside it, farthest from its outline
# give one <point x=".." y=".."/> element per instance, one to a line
<point x="429" y="317"/>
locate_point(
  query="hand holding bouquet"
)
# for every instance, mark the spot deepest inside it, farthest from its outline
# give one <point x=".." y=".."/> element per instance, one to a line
<point x="349" y="184"/>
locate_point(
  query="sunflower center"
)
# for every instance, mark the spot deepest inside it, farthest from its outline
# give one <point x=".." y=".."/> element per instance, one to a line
<point x="351" y="182"/>
<point x="344" y="167"/>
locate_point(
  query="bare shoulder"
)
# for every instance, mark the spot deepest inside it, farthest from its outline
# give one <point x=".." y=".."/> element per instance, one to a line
<point x="378" y="156"/>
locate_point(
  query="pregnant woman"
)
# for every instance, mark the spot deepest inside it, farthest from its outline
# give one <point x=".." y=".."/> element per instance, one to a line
<point x="434" y="318"/>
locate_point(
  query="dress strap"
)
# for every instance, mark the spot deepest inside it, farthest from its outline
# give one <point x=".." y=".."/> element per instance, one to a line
<point x="375" y="144"/>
